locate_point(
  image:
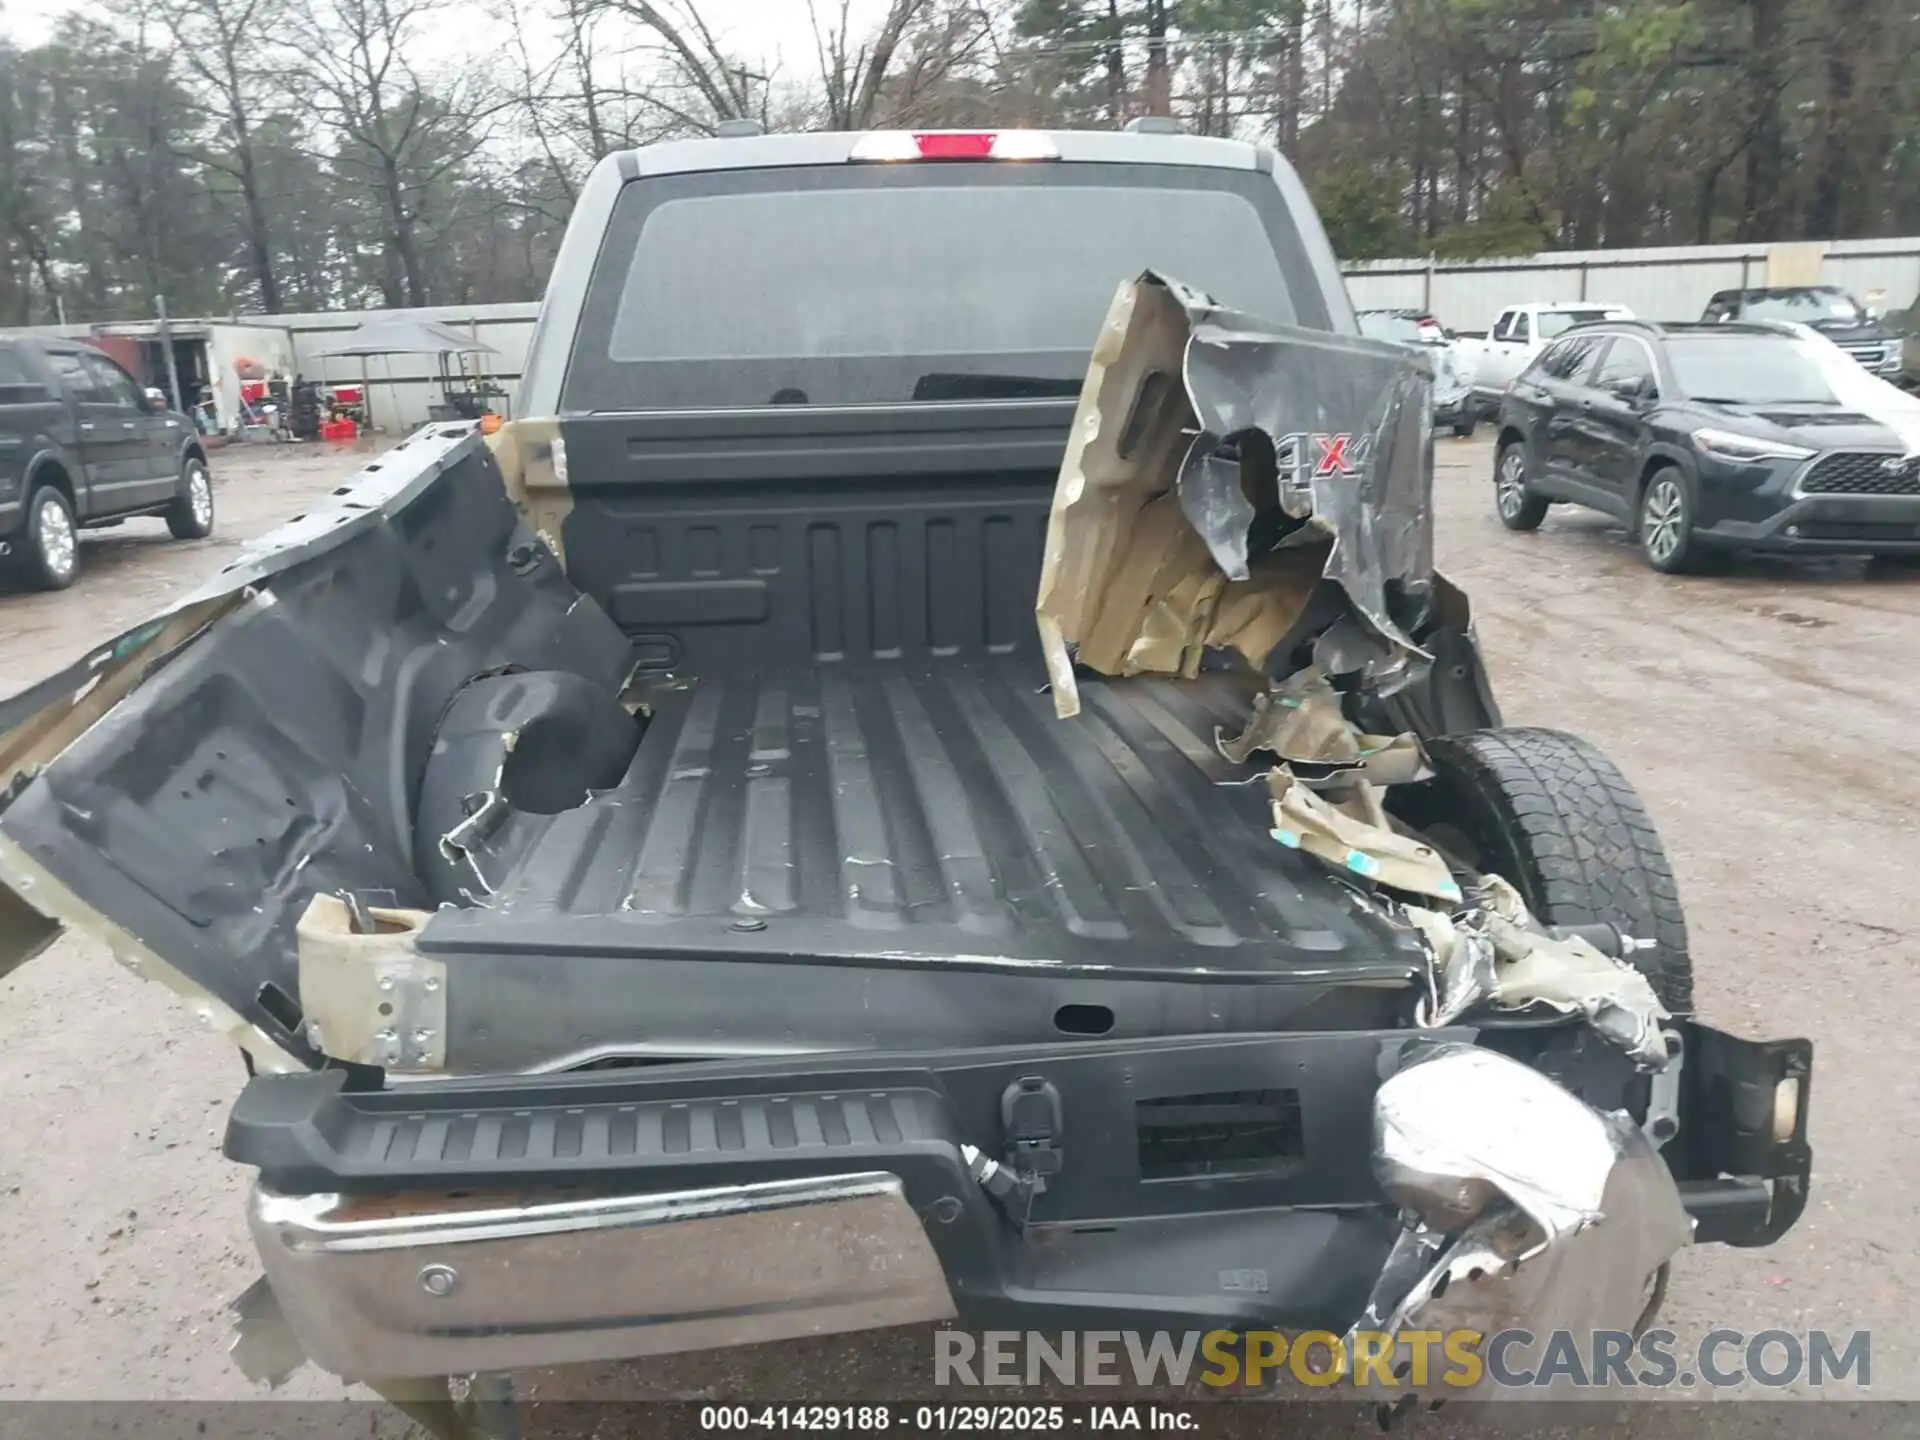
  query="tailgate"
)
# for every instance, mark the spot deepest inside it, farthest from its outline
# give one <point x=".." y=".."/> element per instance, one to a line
<point x="1150" y="1184"/>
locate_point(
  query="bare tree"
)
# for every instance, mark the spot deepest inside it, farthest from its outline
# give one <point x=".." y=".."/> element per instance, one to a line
<point x="721" y="84"/>
<point x="220" y="44"/>
<point x="342" y="166"/>
<point x="399" y="130"/>
<point x="855" y="72"/>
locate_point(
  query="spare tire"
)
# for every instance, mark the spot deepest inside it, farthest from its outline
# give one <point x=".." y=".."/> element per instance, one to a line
<point x="1552" y="815"/>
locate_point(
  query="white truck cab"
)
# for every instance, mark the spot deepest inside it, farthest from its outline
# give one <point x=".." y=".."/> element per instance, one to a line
<point x="1522" y="332"/>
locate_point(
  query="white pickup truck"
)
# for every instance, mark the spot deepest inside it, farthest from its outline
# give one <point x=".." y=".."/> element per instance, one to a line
<point x="1522" y="332"/>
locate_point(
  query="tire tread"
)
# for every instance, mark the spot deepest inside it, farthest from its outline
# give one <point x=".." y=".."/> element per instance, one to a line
<point x="1584" y="846"/>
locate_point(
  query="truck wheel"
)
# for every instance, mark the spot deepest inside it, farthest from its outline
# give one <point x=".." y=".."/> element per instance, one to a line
<point x="1552" y="815"/>
<point x="46" y="553"/>
<point x="1464" y="427"/>
<point x="1519" y="507"/>
<point x="190" y="517"/>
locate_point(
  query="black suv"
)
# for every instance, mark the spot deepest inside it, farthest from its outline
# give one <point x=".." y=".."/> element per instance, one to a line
<point x="1706" y="436"/>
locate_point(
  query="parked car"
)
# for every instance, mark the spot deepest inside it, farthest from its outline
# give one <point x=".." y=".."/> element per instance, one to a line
<point x="664" y="908"/>
<point x="1453" y="406"/>
<point x="1519" y="335"/>
<point x="1827" y="309"/>
<point x="1904" y="327"/>
<point x="1706" y="436"/>
<point x="81" y="445"/>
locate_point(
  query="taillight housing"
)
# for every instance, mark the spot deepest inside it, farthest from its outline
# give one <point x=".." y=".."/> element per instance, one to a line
<point x="899" y="145"/>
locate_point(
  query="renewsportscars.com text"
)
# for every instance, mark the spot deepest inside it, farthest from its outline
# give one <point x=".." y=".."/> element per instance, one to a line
<point x="1516" y="1359"/>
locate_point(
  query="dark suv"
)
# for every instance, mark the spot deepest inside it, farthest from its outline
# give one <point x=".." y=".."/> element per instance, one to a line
<point x="1706" y="436"/>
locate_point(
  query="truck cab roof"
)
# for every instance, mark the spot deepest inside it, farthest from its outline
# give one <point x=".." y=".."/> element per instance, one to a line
<point x="817" y="248"/>
<point x="1106" y="147"/>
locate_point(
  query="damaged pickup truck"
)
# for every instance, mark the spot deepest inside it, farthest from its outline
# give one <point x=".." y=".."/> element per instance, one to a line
<point x="675" y="887"/>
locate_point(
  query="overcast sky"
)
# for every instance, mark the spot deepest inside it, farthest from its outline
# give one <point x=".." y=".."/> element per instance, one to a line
<point x="773" y="31"/>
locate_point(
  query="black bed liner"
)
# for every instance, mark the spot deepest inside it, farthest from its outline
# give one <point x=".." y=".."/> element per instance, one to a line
<point x="941" y="813"/>
<point x="868" y="838"/>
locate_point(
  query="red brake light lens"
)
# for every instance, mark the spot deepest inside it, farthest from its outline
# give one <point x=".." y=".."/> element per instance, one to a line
<point x="955" y="145"/>
<point x="894" y="145"/>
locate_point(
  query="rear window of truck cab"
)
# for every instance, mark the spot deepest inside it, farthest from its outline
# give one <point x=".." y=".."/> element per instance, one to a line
<point x="881" y="285"/>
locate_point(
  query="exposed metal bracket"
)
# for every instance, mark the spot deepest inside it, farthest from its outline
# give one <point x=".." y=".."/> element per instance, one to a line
<point x="368" y="995"/>
<point x="1663" y="1099"/>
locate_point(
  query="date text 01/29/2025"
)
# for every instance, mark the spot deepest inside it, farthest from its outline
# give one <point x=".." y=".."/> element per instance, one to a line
<point x="944" y="1419"/>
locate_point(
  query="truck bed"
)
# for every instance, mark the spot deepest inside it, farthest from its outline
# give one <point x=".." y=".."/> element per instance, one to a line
<point x="814" y="858"/>
<point x="940" y="813"/>
<point x="843" y="827"/>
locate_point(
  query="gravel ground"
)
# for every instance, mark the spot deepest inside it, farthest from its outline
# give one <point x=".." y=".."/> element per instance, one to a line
<point x="1764" y="712"/>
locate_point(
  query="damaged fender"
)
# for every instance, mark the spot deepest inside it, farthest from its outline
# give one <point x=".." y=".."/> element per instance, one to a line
<point x="1220" y="468"/>
<point x="288" y="722"/>
<point x="1524" y="1205"/>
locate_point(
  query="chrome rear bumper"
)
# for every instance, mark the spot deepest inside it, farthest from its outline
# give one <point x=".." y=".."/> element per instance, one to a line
<point x="379" y="1287"/>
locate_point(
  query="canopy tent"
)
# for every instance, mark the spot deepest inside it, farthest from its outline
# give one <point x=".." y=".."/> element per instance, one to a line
<point x="404" y="335"/>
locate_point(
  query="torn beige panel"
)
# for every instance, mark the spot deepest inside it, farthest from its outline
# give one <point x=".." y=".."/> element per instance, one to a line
<point x="1115" y="517"/>
<point x="1168" y="602"/>
<point x="1301" y="722"/>
<point x="37" y="886"/>
<point x="1255" y="614"/>
<point x="1305" y="821"/>
<point x="1155" y="599"/>
<point x="1126" y="579"/>
<point x="371" y="998"/>
<point x="1570" y="976"/>
<point x="532" y="460"/>
<point x="1494" y="951"/>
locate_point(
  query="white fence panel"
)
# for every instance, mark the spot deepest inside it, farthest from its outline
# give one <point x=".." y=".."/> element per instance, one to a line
<point x="1672" y="282"/>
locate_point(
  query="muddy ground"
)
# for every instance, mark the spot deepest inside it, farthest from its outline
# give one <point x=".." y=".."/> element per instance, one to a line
<point x="1766" y="714"/>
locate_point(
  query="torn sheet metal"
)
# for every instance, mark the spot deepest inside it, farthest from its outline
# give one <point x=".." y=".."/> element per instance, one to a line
<point x="532" y="458"/>
<point x="1526" y="1206"/>
<point x="1348" y="422"/>
<point x="1492" y="951"/>
<point x="1463" y="972"/>
<point x="1571" y="976"/>
<point x="1300" y="723"/>
<point x="46" y="895"/>
<point x="1574" y="978"/>
<point x="1219" y="467"/>
<point x="1303" y="820"/>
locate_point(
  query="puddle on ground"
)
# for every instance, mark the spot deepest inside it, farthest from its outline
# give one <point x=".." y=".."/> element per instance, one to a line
<point x="1786" y="616"/>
